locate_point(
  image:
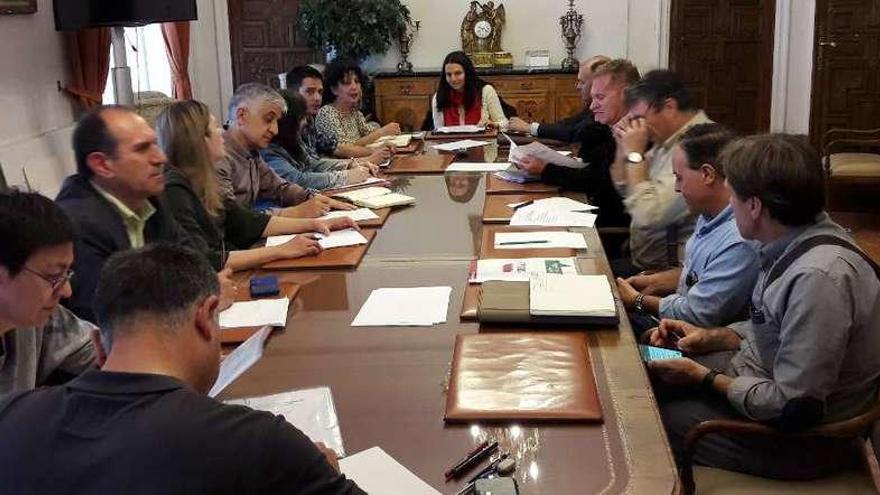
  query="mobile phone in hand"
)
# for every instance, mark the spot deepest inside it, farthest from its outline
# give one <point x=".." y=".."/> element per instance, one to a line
<point x="650" y="353"/>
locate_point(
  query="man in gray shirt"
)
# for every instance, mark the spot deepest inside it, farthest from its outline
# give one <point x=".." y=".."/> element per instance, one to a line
<point x="40" y="341"/>
<point x="809" y="352"/>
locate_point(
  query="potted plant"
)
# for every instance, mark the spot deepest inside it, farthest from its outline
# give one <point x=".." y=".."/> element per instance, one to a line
<point x="353" y="29"/>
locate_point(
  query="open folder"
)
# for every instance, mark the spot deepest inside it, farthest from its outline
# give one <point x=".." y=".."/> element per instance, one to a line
<point x="506" y="302"/>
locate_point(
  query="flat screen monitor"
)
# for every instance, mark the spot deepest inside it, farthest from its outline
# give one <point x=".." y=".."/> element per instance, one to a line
<point x="71" y="15"/>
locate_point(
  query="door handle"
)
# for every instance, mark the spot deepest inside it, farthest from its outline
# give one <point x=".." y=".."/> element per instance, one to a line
<point x="832" y="44"/>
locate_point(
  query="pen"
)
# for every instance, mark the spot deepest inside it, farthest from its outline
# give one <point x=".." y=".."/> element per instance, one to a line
<point x="449" y="472"/>
<point x="490" y="468"/>
<point x="524" y="203"/>
<point x="462" y="467"/>
<point x="510" y="243"/>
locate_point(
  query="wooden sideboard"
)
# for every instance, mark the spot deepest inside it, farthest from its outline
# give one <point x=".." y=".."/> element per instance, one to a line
<point x="539" y="95"/>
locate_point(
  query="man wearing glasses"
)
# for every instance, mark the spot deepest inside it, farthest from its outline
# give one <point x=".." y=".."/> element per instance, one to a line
<point x="40" y="341"/>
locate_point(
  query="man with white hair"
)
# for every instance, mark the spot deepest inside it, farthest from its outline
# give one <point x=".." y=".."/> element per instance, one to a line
<point x="244" y="177"/>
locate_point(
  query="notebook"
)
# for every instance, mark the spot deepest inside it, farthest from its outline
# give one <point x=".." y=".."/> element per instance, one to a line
<point x="386" y="201"/>
<point x="570" y="295"/>
<point x="522" y="377"/>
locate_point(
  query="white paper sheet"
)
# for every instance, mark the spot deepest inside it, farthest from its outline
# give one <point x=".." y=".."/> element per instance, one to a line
<point x="450" y="129"/>
<point x="377" y="472"/>
<point x="518" y="270"/>
<point x="459" y="145"/>
<point x="540" y="240"/>
<point x="546" y="154"/>
<point x="477" y="166"/>
<point x="400" y="140"/>
<point x="337" y="238"/>
<point x="408" y="306"/>
<point x="575" y="295"/>
<point x="526" y="216"/>
<point x="367" y="192"/>
<point x="357" y="215"/>
<point x="255" y="313"/>
<point x="561" y="203"/>
<point x="311" y="410"/>
<point x="240" y="360"/>
<point x="387" y="201"/>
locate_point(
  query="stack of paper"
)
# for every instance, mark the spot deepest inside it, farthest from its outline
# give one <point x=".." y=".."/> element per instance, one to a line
<point x="460" y="129"/>
<point x="377" y="472"/>
<point x="540" y="240"/>
<point x="398" y="141"/>
<point x="337" y="238"/>
<point x="516" y="175"/>
<point x="410" y="306"/>
<point x="240" y="360"/>
<point x="519" y="270"/>
<point x="477" y="166"/>
<point x="570" y="295"/>
<point x="460" y="145"/>
<point x="371" y="180"/>
<point x="357" y="215"/>
<point x="311" y="410"/>
<point x="377" y="197"/>
<point x="548" y="218"/>
<point x="544" y="153"/>
<point x="256" y="313"/>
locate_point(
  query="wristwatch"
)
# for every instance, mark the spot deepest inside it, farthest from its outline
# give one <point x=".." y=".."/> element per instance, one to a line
<point x="634" y="157"/>
<point x="637" y="303"/>
<point x="709" y="379"/>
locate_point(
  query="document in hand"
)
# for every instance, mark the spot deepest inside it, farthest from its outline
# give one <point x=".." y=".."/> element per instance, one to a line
<point x="256" y="313"/>
<point x="357" y="215"/>
<point x="459" y="145"/>
<point x="519" y="270"/>
<point x="460" y="129"/>
<point x="337" y="238"/>
<point x="540" y="240"/>
<point x="311" y="410"/>
<point x="409" y="306"/>
<point x="240" y="360"/>
<point x="570" y="295"/>
<point x="477" y="167"/>
<point x="545" y="154"/>
<point x="377" y="472"/>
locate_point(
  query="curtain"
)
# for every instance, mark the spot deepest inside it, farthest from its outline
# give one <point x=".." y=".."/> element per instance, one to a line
<point x="89" y="53"/>
<point x="176" y="35"/>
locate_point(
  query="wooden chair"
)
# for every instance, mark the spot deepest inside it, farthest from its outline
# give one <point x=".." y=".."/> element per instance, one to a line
<point x="851" y="161"/>
<point x="858" y="428"/>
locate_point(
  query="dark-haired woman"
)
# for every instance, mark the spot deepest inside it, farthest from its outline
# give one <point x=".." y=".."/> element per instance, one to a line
<point x="286" y="156"/>
<point x="462" y="98"/>
<point x="340" y="117"/>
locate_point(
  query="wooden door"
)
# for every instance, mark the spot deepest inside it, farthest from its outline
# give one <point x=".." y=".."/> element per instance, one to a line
<point x="264" y="41"/>
<point x="724" y="51"/>
<point x="846" y="66"/>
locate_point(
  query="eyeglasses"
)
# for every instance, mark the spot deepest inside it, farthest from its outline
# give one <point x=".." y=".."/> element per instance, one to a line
<point x="56" y="282"/>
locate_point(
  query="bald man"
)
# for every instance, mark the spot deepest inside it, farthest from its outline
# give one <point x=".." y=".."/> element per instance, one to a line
<point x="568" y="129"/>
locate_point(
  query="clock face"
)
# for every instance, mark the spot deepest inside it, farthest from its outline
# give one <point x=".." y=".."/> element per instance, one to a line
<point x="482" y="29"/>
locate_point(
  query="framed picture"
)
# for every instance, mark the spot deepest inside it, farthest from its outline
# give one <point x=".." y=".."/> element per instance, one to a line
<point x="8" y="7"/>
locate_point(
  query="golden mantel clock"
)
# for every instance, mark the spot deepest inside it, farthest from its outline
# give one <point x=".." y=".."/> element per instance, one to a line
<point x="481" y="35"/>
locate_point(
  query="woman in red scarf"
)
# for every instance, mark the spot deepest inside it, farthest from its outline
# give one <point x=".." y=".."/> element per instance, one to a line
<point x="463" y="98"/>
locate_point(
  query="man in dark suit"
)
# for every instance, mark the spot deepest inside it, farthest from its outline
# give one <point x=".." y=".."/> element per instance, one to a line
<point x="114" y="198"/>
<point x="568" y="129"/>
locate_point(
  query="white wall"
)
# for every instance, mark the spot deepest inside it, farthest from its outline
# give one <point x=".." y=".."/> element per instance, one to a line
<point x="619" y="28"/>
<point x="36" y="121"/>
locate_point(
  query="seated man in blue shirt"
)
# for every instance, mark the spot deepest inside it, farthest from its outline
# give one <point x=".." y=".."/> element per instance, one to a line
<point x="713" y="286"/>
<point x="807" y="355"/>
<point x="144" y="420"/>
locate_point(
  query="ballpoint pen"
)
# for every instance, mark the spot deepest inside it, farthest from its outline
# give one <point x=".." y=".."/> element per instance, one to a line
<point x="511" y="243"/>
<point x="524" y="203"/>
<point x="470" y="460"/>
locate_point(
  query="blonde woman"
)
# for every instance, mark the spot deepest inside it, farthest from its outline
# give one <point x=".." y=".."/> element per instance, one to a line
<point x="193" y="141"/>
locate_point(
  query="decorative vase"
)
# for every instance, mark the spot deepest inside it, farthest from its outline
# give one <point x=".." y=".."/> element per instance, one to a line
<point x="405" y="40"/>
<point x="571" y="24"/>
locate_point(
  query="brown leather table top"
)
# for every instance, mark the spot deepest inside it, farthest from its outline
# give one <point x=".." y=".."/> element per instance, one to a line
<point x="389" y="383"/>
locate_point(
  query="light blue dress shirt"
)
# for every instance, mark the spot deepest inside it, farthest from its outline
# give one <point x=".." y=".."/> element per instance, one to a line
<point x="718" y="275"/>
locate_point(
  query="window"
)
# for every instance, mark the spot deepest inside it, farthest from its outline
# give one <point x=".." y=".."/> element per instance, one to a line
<point x="148" y="60"/>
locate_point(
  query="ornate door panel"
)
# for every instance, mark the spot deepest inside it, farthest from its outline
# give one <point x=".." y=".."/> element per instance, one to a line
<point x="264" y="40"/>
<point x="846" y="68"/>
<point x="724" y="51"/>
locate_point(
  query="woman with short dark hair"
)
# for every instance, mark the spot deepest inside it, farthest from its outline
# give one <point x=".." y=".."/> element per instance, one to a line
<point x="462" y="98"/>
<point x="340" y="117"/>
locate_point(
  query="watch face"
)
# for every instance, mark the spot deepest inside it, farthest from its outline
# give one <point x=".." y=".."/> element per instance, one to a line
<point x="634" y="157"/>
<point x="482" y="29"/>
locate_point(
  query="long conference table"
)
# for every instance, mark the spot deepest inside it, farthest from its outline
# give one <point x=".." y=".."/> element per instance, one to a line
<point x="389" y="383"/>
